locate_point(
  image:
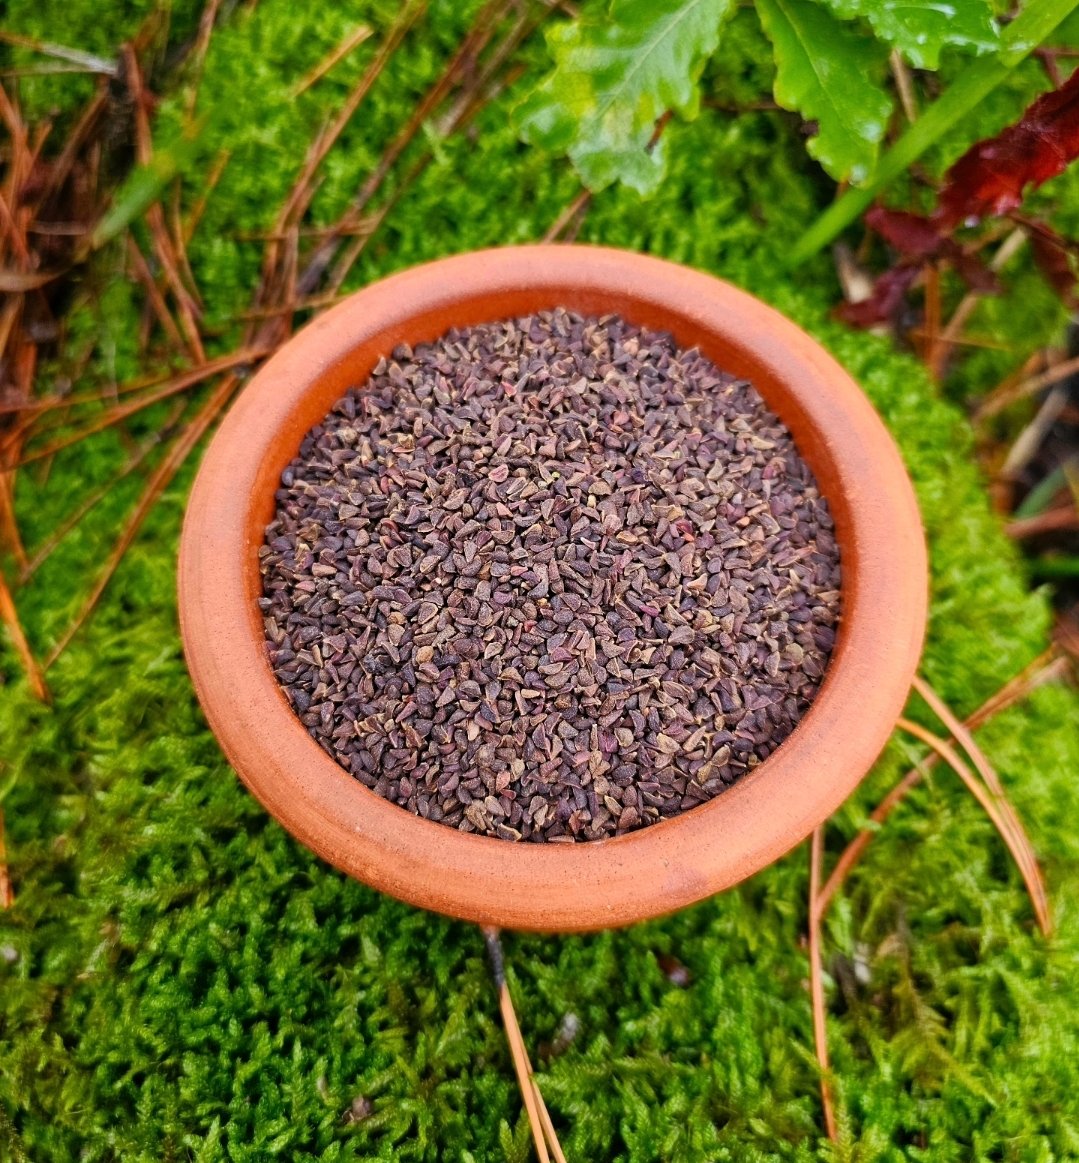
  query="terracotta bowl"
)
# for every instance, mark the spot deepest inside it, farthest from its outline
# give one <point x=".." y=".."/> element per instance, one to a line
<point x="595" y="884"/>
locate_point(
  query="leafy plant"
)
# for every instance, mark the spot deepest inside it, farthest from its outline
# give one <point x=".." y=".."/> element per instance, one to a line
<point x="990" y="180"/>
<point x="622" y="66"/>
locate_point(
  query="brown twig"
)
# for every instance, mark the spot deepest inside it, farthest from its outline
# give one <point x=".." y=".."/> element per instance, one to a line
<point x="816" y="983"/>
<point x="1047" y="667"/>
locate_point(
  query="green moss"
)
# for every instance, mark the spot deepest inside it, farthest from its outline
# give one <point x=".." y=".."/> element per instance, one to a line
<point x="181" y="980"/>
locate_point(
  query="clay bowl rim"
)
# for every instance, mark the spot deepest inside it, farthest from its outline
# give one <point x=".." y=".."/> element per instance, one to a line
<point x="588" y="885"/>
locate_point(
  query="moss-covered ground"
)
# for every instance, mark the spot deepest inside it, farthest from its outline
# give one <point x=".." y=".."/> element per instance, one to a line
<point x="179" y="979"/>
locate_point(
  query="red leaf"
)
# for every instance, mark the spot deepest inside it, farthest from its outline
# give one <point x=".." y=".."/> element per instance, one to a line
<point x="884" y="300"/>
<point x="990" y="178"/>
<point x="913" y="235"/>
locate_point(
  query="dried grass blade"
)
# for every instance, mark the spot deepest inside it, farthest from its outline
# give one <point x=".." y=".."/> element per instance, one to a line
<point x="991" y="805"/>
<point x="816" y="983"/>
<point x="155" y="486"/>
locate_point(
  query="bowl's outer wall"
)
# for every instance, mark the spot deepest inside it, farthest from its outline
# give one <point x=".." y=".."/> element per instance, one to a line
<point x="535" y="886"/>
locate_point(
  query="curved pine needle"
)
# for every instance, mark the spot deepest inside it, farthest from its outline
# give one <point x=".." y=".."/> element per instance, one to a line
<point x="816" y="983"/>
<point x="985" y="769"/>
<point x="1048" y="666"/>
<point x="991" y="806"/>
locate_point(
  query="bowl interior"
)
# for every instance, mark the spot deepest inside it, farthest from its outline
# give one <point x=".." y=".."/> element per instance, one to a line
<point x="596" y="883"/>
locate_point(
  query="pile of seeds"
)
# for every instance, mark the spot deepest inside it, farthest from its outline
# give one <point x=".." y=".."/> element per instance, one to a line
<point x="549" y="579"/>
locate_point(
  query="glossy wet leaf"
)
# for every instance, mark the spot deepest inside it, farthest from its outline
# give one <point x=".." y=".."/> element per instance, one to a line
<point x="829" y="73"/>
<point x="615" y="75"/>
<point x="921" y="29"/>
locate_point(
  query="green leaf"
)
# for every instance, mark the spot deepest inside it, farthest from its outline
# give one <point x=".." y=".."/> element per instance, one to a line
<point x="613" y="78"/>
<point x="920" y="29"/>
<point x="825" y="71"/>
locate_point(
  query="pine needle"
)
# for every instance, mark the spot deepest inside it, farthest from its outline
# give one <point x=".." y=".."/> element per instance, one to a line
<point x="816" y="983"/>
<point x="7" y="893"/>
<point x="10" y="617"/>
<point x="180" y="383"/>
<point x="1047" y="667"/>
<point x="539" y="1118"/>
<point x="992" y="806"/>
<point x="155" y="486"/>
<point x="985" y="769"/>
<point x="353" y="40"/>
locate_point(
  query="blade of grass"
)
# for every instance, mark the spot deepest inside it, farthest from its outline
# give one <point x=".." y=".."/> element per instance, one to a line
<point x="816" y="984"/>
<point x="1037" y="19"/>
<point x="991" y="805"/>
